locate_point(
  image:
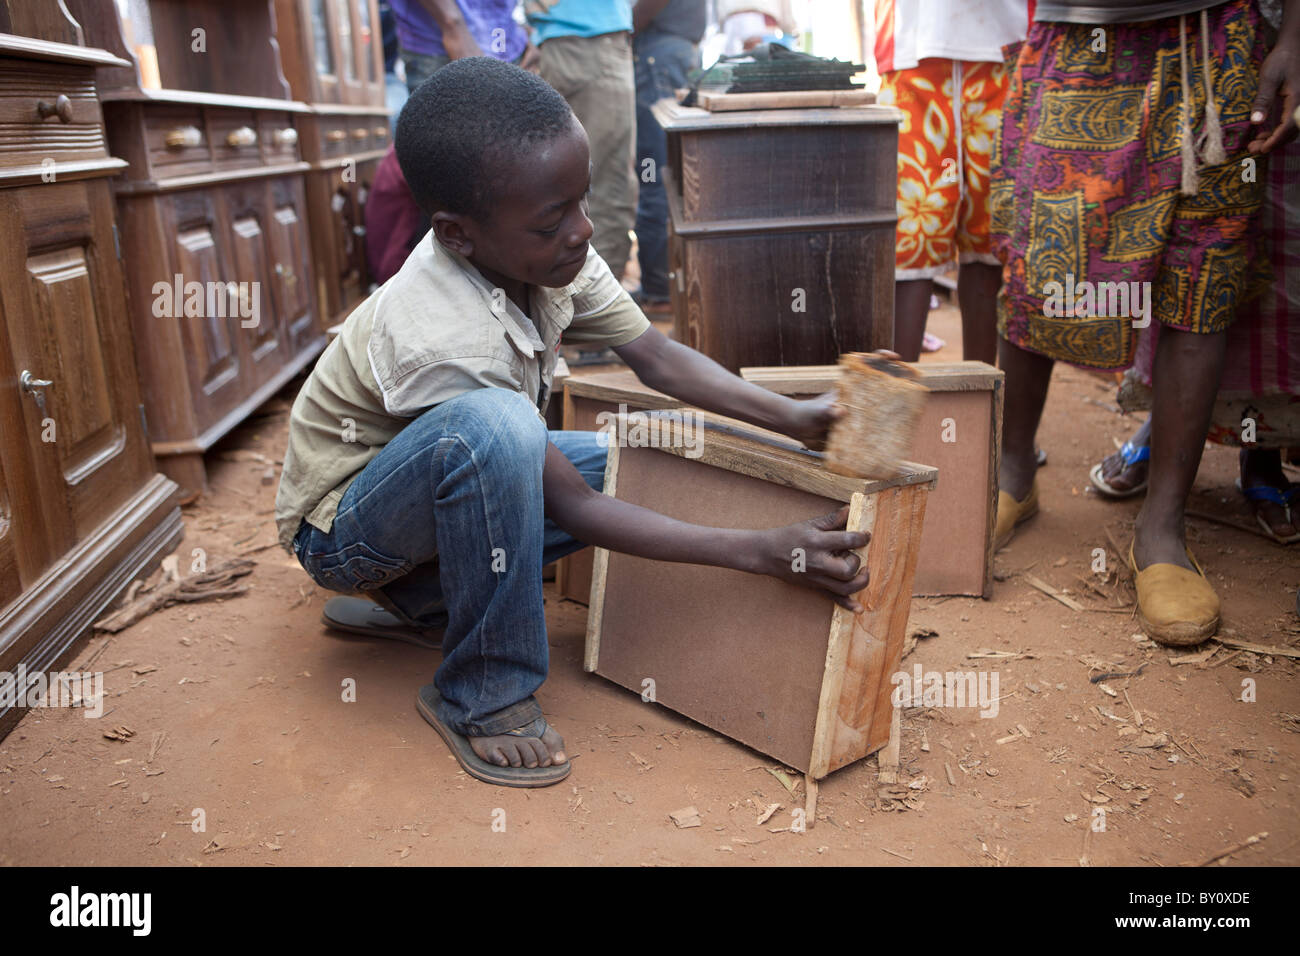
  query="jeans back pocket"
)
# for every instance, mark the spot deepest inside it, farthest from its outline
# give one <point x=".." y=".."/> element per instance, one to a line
<point x="356" y="567"/>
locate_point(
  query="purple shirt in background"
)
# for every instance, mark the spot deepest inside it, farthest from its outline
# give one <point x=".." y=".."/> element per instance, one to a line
<point x="490" y="22"/>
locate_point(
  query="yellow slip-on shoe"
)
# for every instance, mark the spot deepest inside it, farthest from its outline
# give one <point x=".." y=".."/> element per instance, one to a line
<point x="1176" y="606"/>
<point x="1011" y="513"/>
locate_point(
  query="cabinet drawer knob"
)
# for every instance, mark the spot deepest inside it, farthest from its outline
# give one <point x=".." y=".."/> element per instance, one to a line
<point x="287" y="136"/>
<point x="244" y="136"/>
<point x="360" y="133"/>
<point x="183" y="137"/>
<point x="61" y="107"/>
<point x="336" y="135"/>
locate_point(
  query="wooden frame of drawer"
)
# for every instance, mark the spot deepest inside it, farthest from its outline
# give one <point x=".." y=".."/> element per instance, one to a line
<point x="177" y="141"/>
<point x="51" y="110"/>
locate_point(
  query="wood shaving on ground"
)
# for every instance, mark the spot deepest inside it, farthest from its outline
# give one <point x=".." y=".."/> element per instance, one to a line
<point x="215" y="583"/>
<point x="685" y="818"/>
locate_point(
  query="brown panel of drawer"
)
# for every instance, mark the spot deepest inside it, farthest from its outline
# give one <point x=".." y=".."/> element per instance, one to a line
<point x="167" y="131"/>
<point x="27" y="137"/>
<point x="223" y="124"/>
<point x="278" y="137"/>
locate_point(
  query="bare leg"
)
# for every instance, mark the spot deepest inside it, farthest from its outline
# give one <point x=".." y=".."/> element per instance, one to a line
<point x="1028" y="376"/>
<point x="977" y="292"/>
<point x="1184" y="381"/>
<point x="911" y="307"/>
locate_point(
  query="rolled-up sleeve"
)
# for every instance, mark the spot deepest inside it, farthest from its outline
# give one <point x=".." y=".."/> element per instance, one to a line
<point x="603" y="313"/>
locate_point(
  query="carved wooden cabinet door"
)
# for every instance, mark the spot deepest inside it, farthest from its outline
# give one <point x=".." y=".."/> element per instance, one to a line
<point x="245" y="206"/>
<point x="209" y="332"/>
<point x="11" y="584"/>
<point x="70" y="347"/>
<point x="291" y="262"/>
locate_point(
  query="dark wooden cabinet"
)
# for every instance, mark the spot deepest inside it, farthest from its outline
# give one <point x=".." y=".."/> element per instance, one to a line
<point x="82" y="510"/>
<point x="333" y="59"/>
<point x="213" y="200"/>
<point x="332" y="50"/>
<point x="781" y="231"/>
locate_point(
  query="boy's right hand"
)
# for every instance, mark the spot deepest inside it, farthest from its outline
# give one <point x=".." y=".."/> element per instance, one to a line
<point x="818" y="554"/>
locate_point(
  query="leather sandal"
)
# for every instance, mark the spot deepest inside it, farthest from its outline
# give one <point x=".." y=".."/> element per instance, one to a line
<point x="362" y="616"/>
<point x="1283" y="498"/>
<point x="1012" y="513"/>
<point x="1176" y="607"/>
<point x="1131" y="455"/>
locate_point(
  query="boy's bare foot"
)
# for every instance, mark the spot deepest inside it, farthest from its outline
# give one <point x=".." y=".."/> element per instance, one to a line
<point x="510" y="750"/>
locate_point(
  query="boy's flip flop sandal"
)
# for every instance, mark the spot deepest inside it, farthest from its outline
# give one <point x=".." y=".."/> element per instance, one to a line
<point x="426" y="702"/>
<point x="361" y="616"/>
<point x="1131" y="455"/>
<point x="1278" y="497"/>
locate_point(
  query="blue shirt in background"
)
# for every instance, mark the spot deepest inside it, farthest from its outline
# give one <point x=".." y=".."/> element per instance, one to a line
<point x="577" y="18"/>
<point x="490" y="22"/>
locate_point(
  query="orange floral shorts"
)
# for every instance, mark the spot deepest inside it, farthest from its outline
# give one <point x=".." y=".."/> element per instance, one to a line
<point x="943" y="162"/>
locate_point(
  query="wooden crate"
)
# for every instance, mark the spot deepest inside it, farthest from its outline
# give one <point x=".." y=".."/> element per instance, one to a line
<point x="775" y="666"/>
<point x="957" y="544"/>
<point x="585" y="397"/>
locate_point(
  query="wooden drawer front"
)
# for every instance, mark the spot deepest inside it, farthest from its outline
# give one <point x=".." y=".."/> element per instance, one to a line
<point x="177" y="140"/>
<point x="71" y="127"/>
<point x="335" y="136"/>
<point x="235" y="138"/>
<point x="279" y="138"/>
<point x="783" y="172"/>
<point x="361" y="131"/>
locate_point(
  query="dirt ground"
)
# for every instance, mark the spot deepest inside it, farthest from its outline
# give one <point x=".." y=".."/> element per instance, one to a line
<point x="236" y="711"/>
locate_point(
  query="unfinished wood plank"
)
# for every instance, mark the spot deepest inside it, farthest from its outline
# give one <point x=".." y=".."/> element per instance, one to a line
<point x="600" y="568"/>
<point x="816" y="379"/>
<point x="862" y="517"/>
<point x="783" y="100"/>
<point x="736" y="446"/>
<point x="886" y="622"/>
<point x="613" y="388"/>
<point x="888" y="759"/>
<point x="1271" y="649"/>
<point x="1052" y="592"/>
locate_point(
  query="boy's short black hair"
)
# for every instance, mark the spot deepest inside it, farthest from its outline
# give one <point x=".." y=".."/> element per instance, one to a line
<point x="460" y="127"/>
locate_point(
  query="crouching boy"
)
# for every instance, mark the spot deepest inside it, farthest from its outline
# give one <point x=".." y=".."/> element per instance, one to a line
<point x="419" y="468"/>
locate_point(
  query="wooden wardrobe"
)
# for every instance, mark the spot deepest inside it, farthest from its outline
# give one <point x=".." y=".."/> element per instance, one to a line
<point x="82" y="509"/>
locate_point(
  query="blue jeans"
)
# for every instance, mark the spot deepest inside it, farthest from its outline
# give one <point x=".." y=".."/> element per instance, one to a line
<point x="447" y="523"/>
<point x="662" y="61"/>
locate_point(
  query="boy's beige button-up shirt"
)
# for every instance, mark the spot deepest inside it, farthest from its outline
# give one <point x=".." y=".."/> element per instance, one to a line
<point x="434" y="331"/>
